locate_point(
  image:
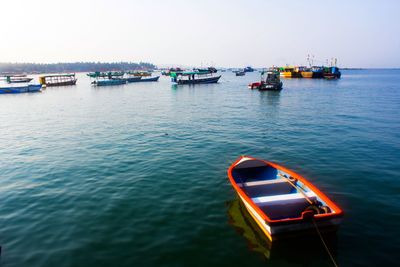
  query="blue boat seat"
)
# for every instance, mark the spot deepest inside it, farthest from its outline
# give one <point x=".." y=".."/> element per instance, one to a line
<point x="267" y="188"/>
<point x="284" y="206"/>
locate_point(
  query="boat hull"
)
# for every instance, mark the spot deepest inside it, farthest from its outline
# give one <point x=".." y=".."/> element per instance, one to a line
<point x="32" y="88"/>
<point x="307" y="74"/>
<point x="332" y="76"/>
<point x="276" y="232"/>
<point x="133" y="79"/>
<point x="255" y="85"/>
<point x="296" y="74"/>
<point x="286" y="74"/>
<point x="317" y="75"/>
<point x="152" y="79"/>
<point x="200" y="81"/>
<point x="270" y="87"/>
<point x="20" y="80"/>
<point x="141" y="79"/>
<point x="111" y="82"/>
<point x="66" y="83"/>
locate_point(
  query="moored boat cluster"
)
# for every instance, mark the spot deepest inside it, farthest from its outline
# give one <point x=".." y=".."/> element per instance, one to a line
<point x="121" y="77"/>
<point x="270" y="79"/>
<point x="314" y="72"/>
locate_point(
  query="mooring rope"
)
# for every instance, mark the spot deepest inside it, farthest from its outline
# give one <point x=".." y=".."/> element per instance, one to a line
<point x="323" y="242"/>
<point x="297" y="187"/>
<point x="315" y="224"/>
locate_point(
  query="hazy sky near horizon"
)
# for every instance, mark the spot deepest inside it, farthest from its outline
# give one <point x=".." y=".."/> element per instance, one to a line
<point x="193" y="33"/>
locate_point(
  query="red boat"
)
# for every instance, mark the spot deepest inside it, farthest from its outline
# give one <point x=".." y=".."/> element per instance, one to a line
<point x="282" y="202"/>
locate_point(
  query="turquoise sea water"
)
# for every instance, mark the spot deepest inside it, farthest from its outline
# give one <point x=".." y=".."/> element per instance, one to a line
<point x="135" y="175"/>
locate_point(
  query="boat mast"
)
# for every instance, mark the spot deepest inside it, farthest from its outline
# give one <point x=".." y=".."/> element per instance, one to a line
<point x="310" y="61"/>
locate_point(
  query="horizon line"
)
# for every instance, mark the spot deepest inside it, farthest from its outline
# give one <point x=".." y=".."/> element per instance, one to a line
<point x="171" y="65"/>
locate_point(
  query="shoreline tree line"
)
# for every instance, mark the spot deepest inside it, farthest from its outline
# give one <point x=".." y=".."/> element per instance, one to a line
<point x="73" y="67"/>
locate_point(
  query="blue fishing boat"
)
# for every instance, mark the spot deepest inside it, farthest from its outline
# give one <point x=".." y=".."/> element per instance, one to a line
<point x="331" y="73"/>
<point x="133" y="79"/>
<point x="317" y="72"/>
<point x="136" y="79"/>
<point x="110" y="82"/>
<point x="248" y="69"/>
<point x="30" y="88"/>
<point x="151" y="79"/>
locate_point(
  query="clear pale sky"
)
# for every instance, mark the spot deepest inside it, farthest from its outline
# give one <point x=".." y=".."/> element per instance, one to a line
<point x="222" y="33"/>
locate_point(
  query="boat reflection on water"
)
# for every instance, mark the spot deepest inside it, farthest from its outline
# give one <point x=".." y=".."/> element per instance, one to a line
<point x="298" y="250"/>
<point x="270" y="98"/>
<point x="208" y="86"/>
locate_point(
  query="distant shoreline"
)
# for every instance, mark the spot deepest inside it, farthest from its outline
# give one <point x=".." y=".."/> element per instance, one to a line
<point x="370" y="68"/>
<point x="38" y="68"/>
<point x="77" y="67"/>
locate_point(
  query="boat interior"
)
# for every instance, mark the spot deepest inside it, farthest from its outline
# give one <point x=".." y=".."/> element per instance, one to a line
<point x="277" y="194"/>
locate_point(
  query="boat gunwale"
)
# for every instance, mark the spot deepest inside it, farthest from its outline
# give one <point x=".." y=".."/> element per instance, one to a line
<point x="319" y="217"/>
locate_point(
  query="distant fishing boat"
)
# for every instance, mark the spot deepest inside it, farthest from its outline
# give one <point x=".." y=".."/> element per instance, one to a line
<point x="139" y="73"/>
<point x="286" y="72"/>
<point x="110" y="78"/>
<point x="58" y="80"/>
<point x="98" y="74"/>
<point x="317" y="72"/>
<point x="193" y="77"/>
<point x="18" y="79"/>
<point x="209" y="69"/>
<point x="110" y="82"/>
<point x="133" y="79"/>
<point x="151" y="79"/>
<point x="30" y="88"/>
<point x="281" y="201"/>
<point x="331" y="73"/>
<point x="170" y="70"/>
<point x="248" y="69"/>
<point x="296" y="73"/>
<point x="270" y="81"/>
<point x="306" y="72"/>
<point x="240" y="73"/>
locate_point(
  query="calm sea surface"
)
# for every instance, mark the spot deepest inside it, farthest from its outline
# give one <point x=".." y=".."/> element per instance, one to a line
<point x="135" y="175"/>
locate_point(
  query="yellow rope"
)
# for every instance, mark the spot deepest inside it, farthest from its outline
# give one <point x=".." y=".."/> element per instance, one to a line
<point x="323" y="242"/>
<point x="315" y="224"/>
<point x="301" y="190"/>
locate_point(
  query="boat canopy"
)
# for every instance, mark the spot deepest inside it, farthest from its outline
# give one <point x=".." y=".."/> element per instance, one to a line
<point x="187" y="73"/>
<point x="98" y="74"/>
<point x="138" y="71"/>
<point x="59" y="75"/>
